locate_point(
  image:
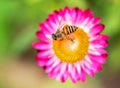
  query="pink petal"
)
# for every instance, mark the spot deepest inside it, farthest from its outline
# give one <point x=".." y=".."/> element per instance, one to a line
<point x="63" y="72"/>
<point x="97" y="51"/>
<point x="94" y="51"/>
<point x="100" y="59"/>
<point x="83" y="24"/>
<point x="104" y="37"/>
<point x="96" y="20"/>
<point x="73" y="74"/>
<point x="99" y="43"/>
<point x="65" y="14"/>
<point x="51" y="16"/>
<point x="55" y="70"/>
<point x="64" y="77"/>
<point x="44" y="29"/>
<point x="93" y="22"/>
<point x="78" y="15"/>
<point x="42" y="62"/>
<point x="48" y="27"/>
<point x="41" y="45"/>
<point x="96" y="67"/>
<point x="102" y="51"/>
<point x="51" y="64"/>
<point x="54" y="17"/>
<point x="53" y="59"/>
<point x="51" y="25"/>
<point x="78" y="67"/>
<point x="86" y="14"/>
<point x="49" y="68"/>
<point x="45" y="54"/>
<point x="82" y="76"/>
<point x="63" y="68"/>
<point x="90" y="22"/>
<point x="73" y="15"/>
<point x="101" y="36"/>
<point x="43" y="37"/>
<point x="97" y="29"/>
<point x="87" y="70"/>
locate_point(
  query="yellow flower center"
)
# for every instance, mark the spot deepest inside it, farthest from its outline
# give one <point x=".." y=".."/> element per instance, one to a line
<point x="72" y="51"/>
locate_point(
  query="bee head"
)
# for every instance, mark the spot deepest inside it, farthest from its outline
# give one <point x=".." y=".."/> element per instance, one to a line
<point x="54" y="36"/>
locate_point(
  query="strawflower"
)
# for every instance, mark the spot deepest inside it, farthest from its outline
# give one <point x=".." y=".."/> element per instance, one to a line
<point x="75" y="54"/>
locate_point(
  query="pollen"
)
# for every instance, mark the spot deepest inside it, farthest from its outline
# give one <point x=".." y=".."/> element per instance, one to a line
<point x="72" y="51"/>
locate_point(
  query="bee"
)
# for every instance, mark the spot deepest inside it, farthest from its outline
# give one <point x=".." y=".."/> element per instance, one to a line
<point x="64" y="32"/>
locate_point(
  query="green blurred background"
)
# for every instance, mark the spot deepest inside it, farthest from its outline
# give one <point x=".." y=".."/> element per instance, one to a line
<point x="19" y="21"/>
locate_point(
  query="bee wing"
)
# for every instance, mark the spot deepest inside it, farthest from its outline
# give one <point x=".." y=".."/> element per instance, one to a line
<point x="61" y="24"/>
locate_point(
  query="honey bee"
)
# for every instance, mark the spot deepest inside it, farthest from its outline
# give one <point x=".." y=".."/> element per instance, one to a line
<point x="64" y="32"/>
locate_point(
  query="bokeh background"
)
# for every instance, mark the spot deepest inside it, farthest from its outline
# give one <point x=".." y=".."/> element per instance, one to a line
<point x="19" y="21"/>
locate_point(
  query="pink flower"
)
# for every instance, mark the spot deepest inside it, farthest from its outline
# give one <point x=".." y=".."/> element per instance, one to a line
<point x="64" y="58"/>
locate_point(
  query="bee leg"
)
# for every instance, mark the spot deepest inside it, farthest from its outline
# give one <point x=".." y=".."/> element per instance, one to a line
<point x="61" y="39"/>
<point x="73" y="38"/>
<point x="70" y="38"/>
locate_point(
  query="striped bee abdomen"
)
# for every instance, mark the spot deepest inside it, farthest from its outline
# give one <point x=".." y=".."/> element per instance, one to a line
<point x="69" y="29"/>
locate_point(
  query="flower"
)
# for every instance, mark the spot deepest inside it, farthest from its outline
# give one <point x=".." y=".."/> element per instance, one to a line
<point x="71" y="58"/>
